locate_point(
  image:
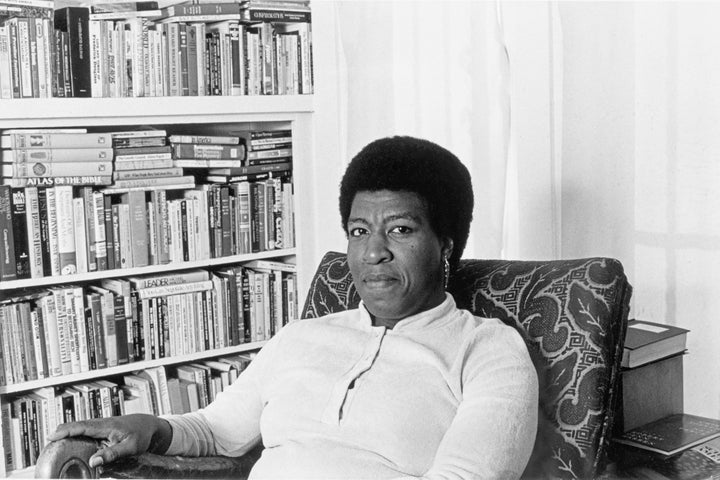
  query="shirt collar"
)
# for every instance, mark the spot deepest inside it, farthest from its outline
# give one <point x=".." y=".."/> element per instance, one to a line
<point x="434" y="317"/>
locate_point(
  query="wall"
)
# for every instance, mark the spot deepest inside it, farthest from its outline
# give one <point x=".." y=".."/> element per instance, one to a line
<point x="641" y="163"/>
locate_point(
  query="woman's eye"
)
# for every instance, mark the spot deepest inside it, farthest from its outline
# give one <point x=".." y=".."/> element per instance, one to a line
<point x="357" y="232"/>
<point x="402" y="230"/>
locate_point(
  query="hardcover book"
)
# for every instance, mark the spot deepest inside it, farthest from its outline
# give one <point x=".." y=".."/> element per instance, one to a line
<point x="650" y="392"/>
<point x="672" y="434"/>
<point x="74" y="21"/>
<point x="648" y="341"/>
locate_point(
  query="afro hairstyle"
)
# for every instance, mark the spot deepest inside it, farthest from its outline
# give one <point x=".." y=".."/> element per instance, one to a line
<point x="409" y="164"/>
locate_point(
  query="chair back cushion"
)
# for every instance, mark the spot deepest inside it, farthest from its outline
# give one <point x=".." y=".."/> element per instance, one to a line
<point x="572" y="315"/>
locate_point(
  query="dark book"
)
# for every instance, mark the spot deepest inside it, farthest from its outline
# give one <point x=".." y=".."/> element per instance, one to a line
<point x="650" y="392"/>
<point x="20" y="238"/>
<point x="44" y="231"/>
<point x="74" y="21"/>
<point x="121" y="329"/>
<point x="648" y="341"/>
<point x="184" y="84"/>
<point x="672" y="434"/>
<point x="109" y="236"/>
<point x="8" y="269"/>
<point x="276" y="15"/>
<point x="698" y="463"/>
<point x="234" y="310"/>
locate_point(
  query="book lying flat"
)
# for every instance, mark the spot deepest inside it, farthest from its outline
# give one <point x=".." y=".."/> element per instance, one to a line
<point x="672" y="434"/>
<point x="646" y="342"/>
<point x="698" y="463"/>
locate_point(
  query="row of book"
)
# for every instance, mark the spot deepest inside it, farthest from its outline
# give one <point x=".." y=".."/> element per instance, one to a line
<point x="65" y="230"/>
<point x="138" y="158"/>
<point x="73" y="329"/>
<point x="213" y="48"/>
<point x="28" y="419"/>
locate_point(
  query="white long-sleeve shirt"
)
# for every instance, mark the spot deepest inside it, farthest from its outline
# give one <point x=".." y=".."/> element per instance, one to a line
<point x="442" y="395"/>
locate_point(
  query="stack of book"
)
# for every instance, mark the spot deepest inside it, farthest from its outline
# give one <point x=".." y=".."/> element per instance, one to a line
<point x="652" y="375"/>
<point x="48" y="156"/>
<point x="207" y="151"/>
<point x="26" y="48"/>
<point x="28" y="419"/>
<point x="666" y="443"/>
<point x="144" y="159"/>
<point x="268" y="154"/>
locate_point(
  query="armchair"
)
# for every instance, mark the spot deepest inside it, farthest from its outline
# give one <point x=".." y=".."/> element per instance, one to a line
<point x="572" y="315"/>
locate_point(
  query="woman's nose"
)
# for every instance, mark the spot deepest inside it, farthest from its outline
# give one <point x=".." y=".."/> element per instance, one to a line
<point x="376" y="249"/>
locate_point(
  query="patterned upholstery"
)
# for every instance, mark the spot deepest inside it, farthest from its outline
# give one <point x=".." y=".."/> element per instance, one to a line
<point x="573" y="316"/>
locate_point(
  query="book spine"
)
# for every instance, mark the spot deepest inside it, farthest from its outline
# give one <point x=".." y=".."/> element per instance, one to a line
<point x="148" y="173"/>
<point x="23" y="30"/>
<point x="80" y="228"/>
<point x="77" y="180"/>
<point x="5" y="64"/>
<point x="60" y="155"/>
<point x="20" y="239"/>
<point x="98" y="219"/>
<point x="44" y="230"/>
<point x="184" y="74"/>
<point x="163" y="160"/>
<point x="33" y="232"/>
<point x="138" y="228"/>
<point x="66" y="236"/>
<point x="205" y="139"/>
<point x="51" y="169"/>
<point x="206" y="151"/>
<point x="89" y="242"/>
<point x="213" y="8"/>
<point x="109" y="232"/>
<point x="188" y="180"/>
<point x="191" y="60"/>
<point x="272" y="15"/>
<point x="41" y="140"/>
<point x="53" y="340"/>
<point x="8" y="269"/>
<point x="14" y="59"/>
<point x="173" y="59"/>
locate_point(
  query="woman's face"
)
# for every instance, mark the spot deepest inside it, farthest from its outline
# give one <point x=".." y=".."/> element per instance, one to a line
<point x="394" y="255"/>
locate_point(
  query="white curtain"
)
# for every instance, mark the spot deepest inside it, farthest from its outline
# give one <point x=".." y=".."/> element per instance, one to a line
<point x="436" y="71"/>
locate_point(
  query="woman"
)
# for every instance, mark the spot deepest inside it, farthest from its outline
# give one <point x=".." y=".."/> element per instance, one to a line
<point x="406" y="385"/>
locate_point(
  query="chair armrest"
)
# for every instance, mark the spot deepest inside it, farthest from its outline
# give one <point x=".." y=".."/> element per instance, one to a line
<point x="68" y="458"/>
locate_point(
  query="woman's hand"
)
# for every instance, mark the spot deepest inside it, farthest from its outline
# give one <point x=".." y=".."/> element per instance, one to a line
<point x="121" y="436"/>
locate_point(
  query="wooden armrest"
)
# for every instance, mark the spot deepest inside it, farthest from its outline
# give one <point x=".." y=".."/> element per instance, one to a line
<point x="68" y="458"/>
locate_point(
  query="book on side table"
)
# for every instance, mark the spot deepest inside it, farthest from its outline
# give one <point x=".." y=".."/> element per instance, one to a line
<point x="672" y="434"/>
<point x="701" y="462"/>
<point x="646" y="342"/>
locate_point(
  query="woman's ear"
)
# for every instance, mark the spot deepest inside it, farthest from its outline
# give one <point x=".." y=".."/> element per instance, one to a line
<point x="447" y="247"/>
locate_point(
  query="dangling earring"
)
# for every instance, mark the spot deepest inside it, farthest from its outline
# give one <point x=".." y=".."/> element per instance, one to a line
<point x="446" y="272"/>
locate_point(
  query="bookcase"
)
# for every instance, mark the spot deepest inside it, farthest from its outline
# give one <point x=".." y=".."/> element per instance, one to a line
<point x="207" y="115"/>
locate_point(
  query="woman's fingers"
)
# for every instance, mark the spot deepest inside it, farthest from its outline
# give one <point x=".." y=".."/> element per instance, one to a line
<point x="110" y="453"/>
<point x="74" y="429"/>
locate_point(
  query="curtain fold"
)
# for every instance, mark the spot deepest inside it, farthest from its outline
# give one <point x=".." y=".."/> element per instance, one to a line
<point x="441" y="73"/>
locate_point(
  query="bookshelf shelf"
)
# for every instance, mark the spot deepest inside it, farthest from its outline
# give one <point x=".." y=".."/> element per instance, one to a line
<point x="150" y="269"/>
<point x="130" y="367"/>
<point x="50" y="112"/>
